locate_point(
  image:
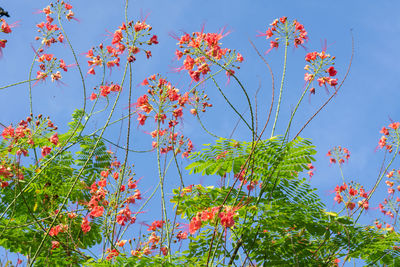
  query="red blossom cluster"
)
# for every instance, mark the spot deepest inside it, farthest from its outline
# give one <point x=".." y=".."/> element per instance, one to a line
<point x="125" y="38"/>
<point x="105" y="90"/>
<point x="391" y="205"/>
<point x="50" y="65"/>
<point x="225" y="215"/>
<point x="8" y="172"/>
<point x="284" y="30"/>
<point x="320" y="65"/>
<point x="51" y="33"/>
<point x="100" y="195"/>
<point x="388" y="227"/>
<point x="242" y="178"/>
<point x="351" y="193"/>
<point x="390" y="136"/>
<point x="338" y="154"/>
<point x="5" y="28"/>
<point x="311" y="169"/>
<point x="166" y="104"/>
<point x="21" y="138"/>
<point x="386" y="207"/>
<point x="203" y="50"/>
<point x="149" y="246"/>
<point x="60" y="228"/>
<point x="100" y="55"/>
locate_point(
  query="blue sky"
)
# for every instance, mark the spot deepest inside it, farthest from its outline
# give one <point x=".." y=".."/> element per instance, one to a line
<point x="367" y="100"/>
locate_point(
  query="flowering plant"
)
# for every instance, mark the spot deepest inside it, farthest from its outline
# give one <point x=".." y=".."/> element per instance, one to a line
<point x="70" y="195"/>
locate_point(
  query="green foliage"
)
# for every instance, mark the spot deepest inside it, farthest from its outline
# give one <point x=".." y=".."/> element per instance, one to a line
<point x="284" y="223"/>
<point x="48" y="183"/>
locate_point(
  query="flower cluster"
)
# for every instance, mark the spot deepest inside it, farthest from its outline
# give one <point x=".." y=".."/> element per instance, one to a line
<point x="241" y="176"/>
<point x="311" y="169"/>
<point x="166" y="104"/>
<point x="225" y="215"/>
<point x="153" y="241"/>
<point x="390" y="136"/>
<point x="21" y="138"/>
<point x="100" y="197"/>
<point x="321" y="64"/>
<point x="9" y="171"/>
<point x="125" y="38"/>
<point x="5" y="28"/>
<point x="105" y="90"/>
<point x="391" y="204"/>
<point x="387" y="207"/>
<point x="49" y="65"/>
<point x="338" y="154"/>
<point x="286" y="30"/>
<point x="51" y="33"/>
<point x="203" y="50"/>
<point x="351" y="193"/>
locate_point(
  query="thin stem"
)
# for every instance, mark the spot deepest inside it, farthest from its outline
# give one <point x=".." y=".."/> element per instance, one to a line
<point x="281" y="88"/>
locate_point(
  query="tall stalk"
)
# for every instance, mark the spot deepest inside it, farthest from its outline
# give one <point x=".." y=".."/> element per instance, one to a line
<point x="281" y="87"/>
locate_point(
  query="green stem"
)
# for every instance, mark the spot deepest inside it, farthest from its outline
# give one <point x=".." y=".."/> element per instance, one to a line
<point x="281" y="88"/>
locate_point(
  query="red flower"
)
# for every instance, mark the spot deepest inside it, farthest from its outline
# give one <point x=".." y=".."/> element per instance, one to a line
<point x="54" y="139"/>
<point x="153" y="40"/>
<point x="102" y="183"/>
<point x="55" y="244"/>
<point x="91" y="71"/>
<point x="55" y="230"/>
<point x="97" y="211"/>
<point x="181" y="235"/>
<point x="5" y="27"/>
<point x="239" y="57"/>
<point x="331" y="70"/>
<point x="8" y="132"/>
<point x="141" y="118"/>
<point x="227" y="217"/>
<point x="350" y="205"/>
<point x="93" y="96"/>
<point x="311" y="56"/>
<point x="155" y="225"/>
<point x="85" y="226"/>
<point x="194" y="225"/>
<point x="45" y="151"/>
<point x="384" y="131"/>
<point x="394" y="125"/>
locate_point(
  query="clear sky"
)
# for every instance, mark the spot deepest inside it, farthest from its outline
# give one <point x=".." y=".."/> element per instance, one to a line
<point x="366" y="102"/>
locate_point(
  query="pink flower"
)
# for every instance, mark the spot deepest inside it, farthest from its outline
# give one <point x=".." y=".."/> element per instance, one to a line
<point x="308" y="77"/>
